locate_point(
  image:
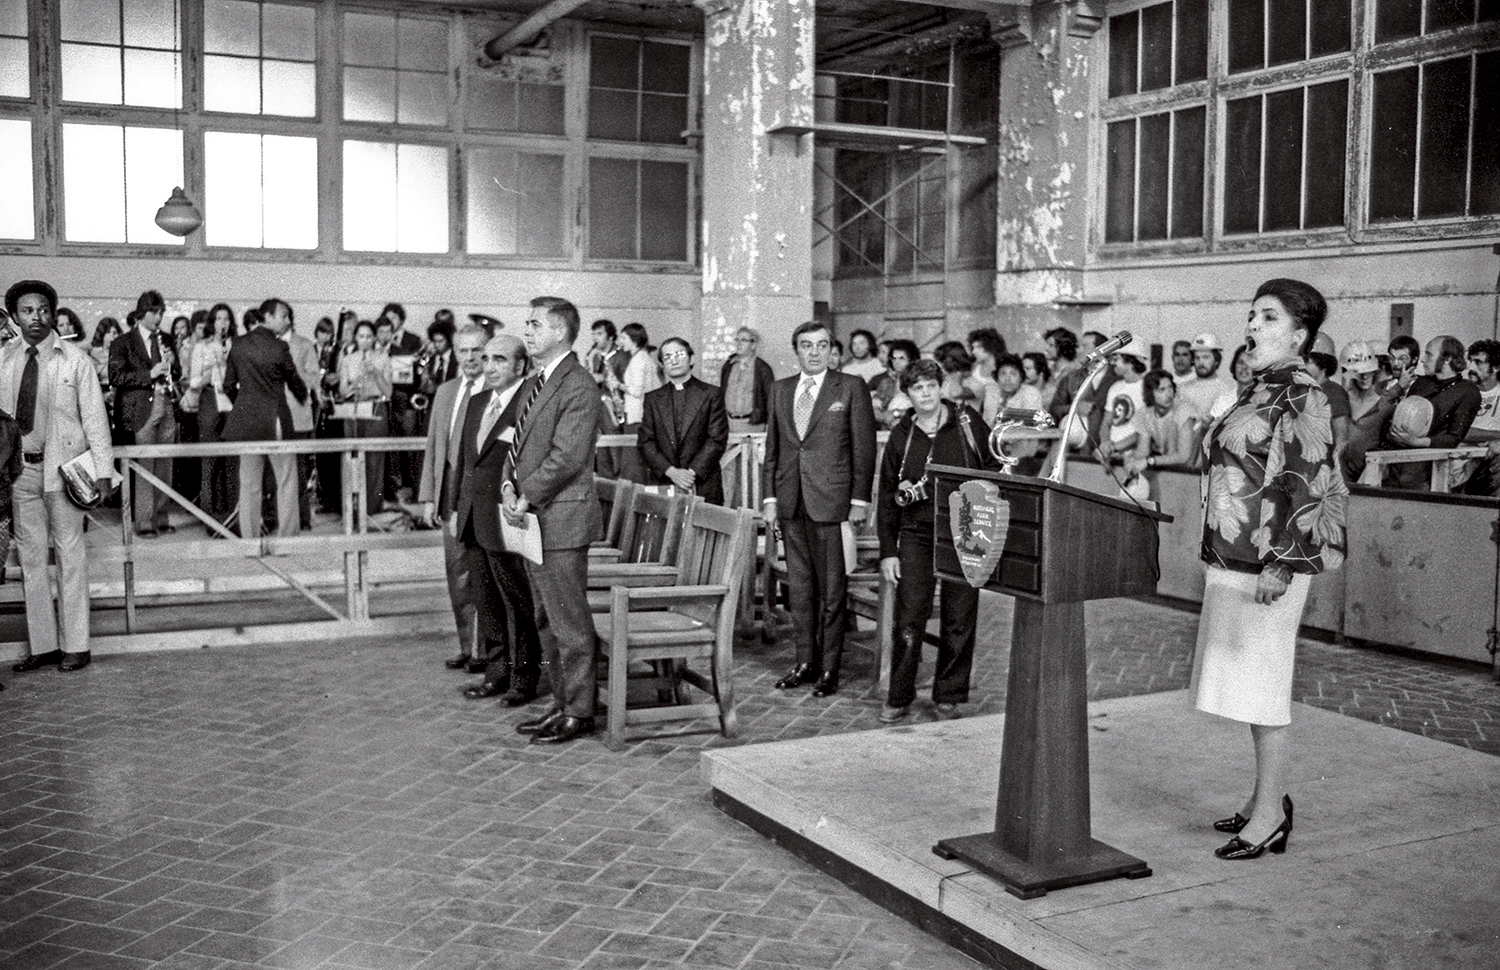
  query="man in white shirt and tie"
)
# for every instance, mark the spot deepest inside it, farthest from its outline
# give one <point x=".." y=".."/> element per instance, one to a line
<point x="819" y="469"/>
<point x="450" y="405"/>
<point x="498" y="581"/>
<point x="49" y="385"/>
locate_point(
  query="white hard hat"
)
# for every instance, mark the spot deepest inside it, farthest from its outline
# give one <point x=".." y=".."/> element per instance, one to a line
<point x="1207" y="341"/>
<point x="1323" y="344"/>
<point x="1358" y="358"/>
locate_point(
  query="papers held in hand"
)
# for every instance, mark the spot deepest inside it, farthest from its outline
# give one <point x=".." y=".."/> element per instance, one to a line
<point x="525" y="539"/>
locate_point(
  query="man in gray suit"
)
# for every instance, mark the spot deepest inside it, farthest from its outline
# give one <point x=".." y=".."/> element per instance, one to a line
<point x="305" y="359"/>
<point x="819" y="468"/>
<point x="450" y="405"/>
<point x="51" y="388"/>
<point x="552" y="475"/>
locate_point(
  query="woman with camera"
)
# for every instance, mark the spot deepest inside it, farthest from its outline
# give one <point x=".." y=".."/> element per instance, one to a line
<point x="947" y="434"/>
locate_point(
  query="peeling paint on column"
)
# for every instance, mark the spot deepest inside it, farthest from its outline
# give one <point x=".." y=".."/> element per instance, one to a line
<point x="757" y="205"/>
<point x="1044" y="139"/>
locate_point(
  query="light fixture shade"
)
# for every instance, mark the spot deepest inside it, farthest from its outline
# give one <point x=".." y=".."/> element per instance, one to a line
<point x="179" y="216"/>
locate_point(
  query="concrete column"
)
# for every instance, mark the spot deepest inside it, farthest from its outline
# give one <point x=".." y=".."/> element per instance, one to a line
<point x="1042" y="235"/>
<point x="757" y="187"/>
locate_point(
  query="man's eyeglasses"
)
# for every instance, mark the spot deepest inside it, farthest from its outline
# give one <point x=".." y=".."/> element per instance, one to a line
<point x="678" y="355"/>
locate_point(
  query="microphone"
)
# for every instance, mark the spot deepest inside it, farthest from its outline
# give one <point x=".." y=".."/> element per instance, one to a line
<point x="1109" y="346"/>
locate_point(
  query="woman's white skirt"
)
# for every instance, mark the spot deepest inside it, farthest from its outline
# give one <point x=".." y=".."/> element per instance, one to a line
<point x="1243" y="666"/>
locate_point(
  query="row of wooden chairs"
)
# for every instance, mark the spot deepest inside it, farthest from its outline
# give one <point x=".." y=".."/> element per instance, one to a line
<point x="664" y="588"/>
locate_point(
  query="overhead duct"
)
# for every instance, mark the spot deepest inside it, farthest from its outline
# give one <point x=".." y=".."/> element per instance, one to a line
<point x="531" y="28"/>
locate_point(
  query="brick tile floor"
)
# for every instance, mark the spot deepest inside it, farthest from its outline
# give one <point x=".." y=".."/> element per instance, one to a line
<point x="341" y="806"/>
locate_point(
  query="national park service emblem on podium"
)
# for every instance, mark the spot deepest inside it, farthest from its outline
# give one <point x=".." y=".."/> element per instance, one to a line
<point x="980" y="520"/>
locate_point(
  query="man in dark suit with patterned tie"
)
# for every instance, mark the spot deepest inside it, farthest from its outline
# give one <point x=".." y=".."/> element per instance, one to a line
<point x="450" y="405"/>
<point x="140" y="371"/>
<point x="684" y="428"/>
<point x="552" y="475"/>
<point x="819" y="467"/>
<point x="499" y="584"/>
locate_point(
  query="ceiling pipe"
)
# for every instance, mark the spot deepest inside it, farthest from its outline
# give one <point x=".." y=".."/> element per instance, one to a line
<point x="531" y="28"/>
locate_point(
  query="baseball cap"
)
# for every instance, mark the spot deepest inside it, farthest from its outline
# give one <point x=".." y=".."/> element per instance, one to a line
<point x="1207" y="341"/>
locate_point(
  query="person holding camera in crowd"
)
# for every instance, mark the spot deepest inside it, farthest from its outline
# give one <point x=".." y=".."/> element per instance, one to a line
<point x="947" y="434"/>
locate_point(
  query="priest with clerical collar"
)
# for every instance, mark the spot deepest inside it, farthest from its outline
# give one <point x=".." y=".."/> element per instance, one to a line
<point x="684" y="428"/>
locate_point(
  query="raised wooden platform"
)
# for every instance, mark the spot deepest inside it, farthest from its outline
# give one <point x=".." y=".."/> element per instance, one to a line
<point x="1394" y="862"/>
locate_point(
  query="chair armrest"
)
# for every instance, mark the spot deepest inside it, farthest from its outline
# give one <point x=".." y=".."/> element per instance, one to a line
<point x="608" y="570"/>
<point x="666" y="594"/>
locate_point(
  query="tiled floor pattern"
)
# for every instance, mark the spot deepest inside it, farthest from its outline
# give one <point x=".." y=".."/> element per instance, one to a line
<point x="311" y="806"/>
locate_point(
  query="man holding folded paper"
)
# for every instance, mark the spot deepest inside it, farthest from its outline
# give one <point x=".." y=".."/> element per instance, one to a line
<point x="550" y="487"/>
<point x="51" y="388"/>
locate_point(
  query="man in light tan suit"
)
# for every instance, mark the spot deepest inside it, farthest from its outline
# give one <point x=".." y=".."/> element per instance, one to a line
<point x="52" y="389"/>
<point x="450" y="405"/>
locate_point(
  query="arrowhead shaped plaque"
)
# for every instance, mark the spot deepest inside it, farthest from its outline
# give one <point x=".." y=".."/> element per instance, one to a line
<point x="979" y="519"/>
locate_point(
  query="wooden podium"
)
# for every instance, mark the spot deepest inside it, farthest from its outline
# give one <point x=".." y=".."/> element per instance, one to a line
<point x="1064" y="546"/>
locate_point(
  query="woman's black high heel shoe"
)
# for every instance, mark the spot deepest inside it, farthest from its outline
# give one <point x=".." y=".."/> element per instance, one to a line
<point x="1231" y="825"/>
<point x="1238" y="848"/>
<point x="1237" y="822"/>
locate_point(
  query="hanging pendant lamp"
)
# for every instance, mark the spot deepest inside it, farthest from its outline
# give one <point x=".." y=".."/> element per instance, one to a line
<point x="179" y="216"/>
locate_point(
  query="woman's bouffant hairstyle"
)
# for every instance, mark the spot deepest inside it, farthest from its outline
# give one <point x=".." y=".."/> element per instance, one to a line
<point x="1302" y="301"/>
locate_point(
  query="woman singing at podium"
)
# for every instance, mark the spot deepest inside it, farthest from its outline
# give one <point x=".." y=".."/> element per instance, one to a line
<point x="1274" y="517"/>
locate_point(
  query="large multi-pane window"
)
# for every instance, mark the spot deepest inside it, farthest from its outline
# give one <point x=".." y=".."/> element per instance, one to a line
<point x="395" y="69"/>
<point x="259" y="58"/>
<point x="1435" y="146"/>
<point x="340" y="128"/>
<point x="515" y="202"/>
<point x="17" y="215"/>
<point x="638" y="90"/>
<point x="261" y="189"/>
<point x="115" y="178"/>
<point x="15" y="56"/>
<point x="638" y="209"/>
<point x="1273" y="116"/>
<point x="395" y="197"/>
<point x="121" y="52"/>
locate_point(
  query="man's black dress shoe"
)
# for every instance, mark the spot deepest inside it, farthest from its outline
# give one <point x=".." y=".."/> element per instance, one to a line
<point x="564" y="729"/>
<point x="75" y="661"/>
<point x="476" y="665"/>
<point x="458" y="662"/>
<point x="166" y="530"/>
<point x="37" y="661"/>
<point x="799" y="675"/>
<point x="539" y="724"/>
<point x="490" y="688"/>
<point x="521" y="693"/>
<point x="146" y="534"/>
<point x="827" y="684"/>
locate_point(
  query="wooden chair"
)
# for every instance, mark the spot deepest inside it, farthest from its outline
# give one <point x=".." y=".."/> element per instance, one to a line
<point x="614" y="501"/>
<point x="649" y="541"/>
<point x="669" y="626"/>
